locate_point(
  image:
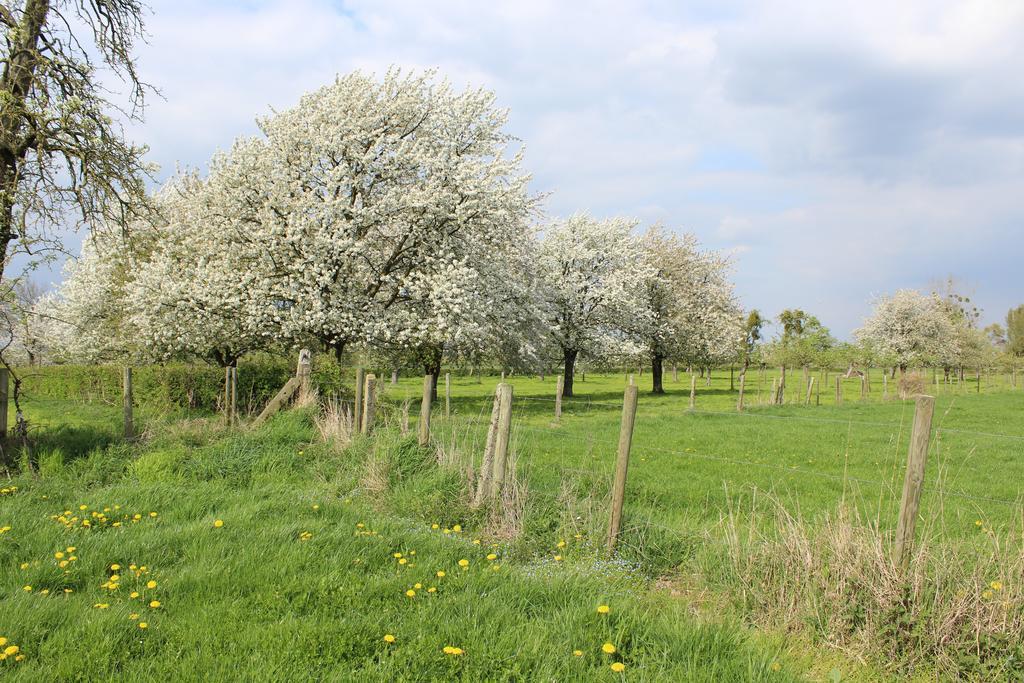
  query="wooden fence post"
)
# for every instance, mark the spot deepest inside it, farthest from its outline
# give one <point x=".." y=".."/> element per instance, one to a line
<point x="559" y="388"/>
<point x="502" y="434"/>
<point x="4" y="398"/>
<point x="839" y="390"/>
<point x="810" y="388"/>
<point x="394" y="377"/>
<point x="357" y="404"/>
<point x="917" y="458"/>
<point x="885" y="386"/>
<point x="483" y="487"/>
<point x="693" y="391"/>
<point x="227" y="394"/>
<point x="739" y="401"/>
<point x="675" y="372"/>
<point x="129" y="421"/>
<point x="447" y="395"/>
<point x="775" y="390"/>
<point x="234" y="395"/>
<point x="369" y="404"/>
<point x="622" y="464"/>
<point x="303" y="371"/>
<point x="863" y="388"/>
<point x="428" y="386"/>
<point x="817" y="394"/>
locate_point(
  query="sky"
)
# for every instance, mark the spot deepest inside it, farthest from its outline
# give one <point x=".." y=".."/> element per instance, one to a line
<point x="839" y="151"/>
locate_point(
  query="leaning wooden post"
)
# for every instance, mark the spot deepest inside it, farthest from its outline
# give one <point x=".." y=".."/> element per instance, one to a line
<point x="917" y="458"/>
<point x="693" y="391"/>
<point x="129" y="422"/>
<point x="810" y="388"/>
<point x="483" y="488"/>
<point x="4" y="397"/>
<point x="622" y="464"/>
<point x="739" y="401"/>
<point x="369" y="404"/>
<point x="839" y="390"/>
<point x="817" y="394"/>
<point x="447" y="395"/>
<point x="559" y="388"/>
<point x="428" y="388"/>
<point x="357" y="407"/>
<point x="502" y="434"/>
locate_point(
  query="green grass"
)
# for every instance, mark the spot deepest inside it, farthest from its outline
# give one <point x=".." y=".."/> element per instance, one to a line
<point x="253" y="601"/>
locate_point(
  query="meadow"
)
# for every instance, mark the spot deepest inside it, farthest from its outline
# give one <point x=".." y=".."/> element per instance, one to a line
<point x="304" y="575"/>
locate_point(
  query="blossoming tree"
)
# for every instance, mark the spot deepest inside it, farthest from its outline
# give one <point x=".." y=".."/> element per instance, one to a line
<point x="910" y="327"/>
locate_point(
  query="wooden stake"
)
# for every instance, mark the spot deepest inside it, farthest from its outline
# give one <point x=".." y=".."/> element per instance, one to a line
<point x="428" y="386"/>
<point x="129" y="421"/>
<point x="288" y="391"/>
<point x="622" y="464"/>
<point x="483" y="488"/>
<point x="369" y="404"/>
<point x="234" y="395"/>
<point x="303" y="370"/>
<point x="447" y="395"/>
<point x="357" y="410"/>
<point x="839" y="390"/>
<point x="885" y="386"/>
<point x="502" y="436"/>
<point x="817" y="394"/>
<point x="917" y="458"/>
<point x="559" y="388"/>
<point x="693" y="391"/>
<point x="227" y="394"/>
<point x="775" y="390"/>
<point x="675" y="373"/>
<point x="810" y="388"/>
<point x="739" y="401"/>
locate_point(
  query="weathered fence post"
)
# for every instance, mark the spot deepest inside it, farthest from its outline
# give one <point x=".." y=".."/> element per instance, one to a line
<point x="559" y="388"/>
<point x="675" y="372"/>
<point x="428" y="386"/>
<point x="394" y="377"/>
<point x="502" y="434"/>
<point x="917" y="458"/>
<point x="622" y="464"/>
<point x="227" y="394"/>
<point x="693" y="391"/>
<point x="817" y="394"/>
<point x="4" y="397"/>
<point x="863" y="388"/>
<point x="447" y="395"/>
<point x="233" y="403"/>
<point x="885" y="386"/>
<point x="303" y="371"/>
<point x="357" y="404"/>
<point x="369" y="404"/>
<point x="810" y="388"/>
<point x="839" y="390"/>
<point x="483" y="487"/>
<point x="775" y="390"/>
<point x="129" y="421"/>
<point x="739" y="401"/>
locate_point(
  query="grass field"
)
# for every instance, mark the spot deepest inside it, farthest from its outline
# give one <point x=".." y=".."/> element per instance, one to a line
<point x="292" y="587"/>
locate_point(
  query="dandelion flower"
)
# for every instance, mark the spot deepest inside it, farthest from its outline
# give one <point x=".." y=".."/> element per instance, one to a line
<point x="24" y="565"/>
<point x="59" y="555"/>
<point x="133" y="616"/>
<point x="388" y="638"/>
<point x="577" y="653"/>
<point x="491" y="557"/>
<point x="151" y="584"/>
<point x="315" y="507"/>
<point x="435" y="526"/>
<point x="154" y="604"/>
<point x="27" y="589"/>
<point x="432" y="589"/>
<point x="134" y="594"/>
<point x="143" y="625"/>
<point x="558" y="558"/>
<point x="455" y="651"/>
<point x="561" y="544"/>
<point x="152" y="514"/>
<point x="618" y="667"/>
<point x="996" y="585"/>
<point x="403" y="561"/>
<point x="603" y="609"/>
<point x="11" y="650"/>
<point x="218" y="523"/>
<point x="457" y="528"/>
<point x="115" y="567"/>
<point x="440" y="574"/>
<point x="410" y="593"/>
<point x="463" y="563"/>
<point x="608" y="648"/>
<point x="418" y="586"/>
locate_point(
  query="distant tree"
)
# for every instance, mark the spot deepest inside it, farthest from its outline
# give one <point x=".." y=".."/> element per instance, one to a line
<point x="590" y="277"/>
<point x="689" y="306"/>
<point x="752" y="326"/>
<point x="911" y="327"/>
<point x="1015" y="331"/>
<point x="996" y="335"/>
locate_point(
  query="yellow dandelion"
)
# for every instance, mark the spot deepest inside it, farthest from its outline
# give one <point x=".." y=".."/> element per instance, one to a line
<point x="561" y="544"/>
<point x="577" y="653"/>
<point x="558" y="558"/>
<point x="143" y="625"/>
<point x="154" y="604"/>
<point x="463" y="563"/>
<point x="491" y="557"/>
<point x="608" y="648"/>
<point x="418" y="586"/>
<point x="410" y="593"/>
<point x="440" y="574"/>
<point x="603" y="609"/>
<point x="59" y="555"/>
<point x="151" y="584"/>
<point x="986" y="594"/>
<point x="315" y="507"/>
<point x="449" y="650"/>
<point x="618" y="667"/>
<point x="432" y="589"/>
<point x="434" y="526"/>
<point x="24" y="565"/>
<point x="457" y="528"/>
<point x="134" y="594"/>
<point x="27" y="589"/>
<point x="115" y="567"/>
<point x="403" y="561"/>
<point x="11" y="650"/>
<point x="152" y="514"/>
<point x="388" y="638"/>
<point x="218" y="523"/>
<point x="996" y="585"/>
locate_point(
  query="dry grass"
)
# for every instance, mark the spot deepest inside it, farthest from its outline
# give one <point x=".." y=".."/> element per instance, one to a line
<point x="958" y="609"/>
<point x="334" y="423"/>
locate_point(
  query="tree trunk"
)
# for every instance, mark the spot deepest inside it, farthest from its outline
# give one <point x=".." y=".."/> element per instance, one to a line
<point x="569" y="356"/>
<point x="657" y="370"/>
<point x="432" y="366"/>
